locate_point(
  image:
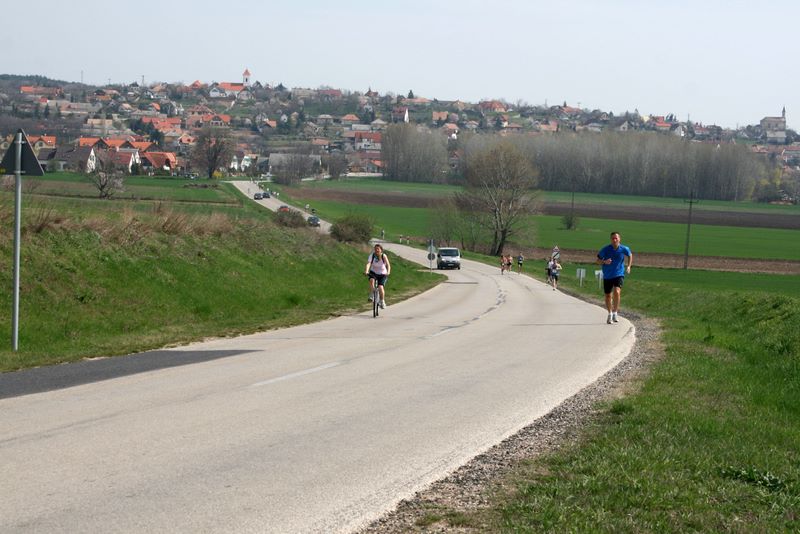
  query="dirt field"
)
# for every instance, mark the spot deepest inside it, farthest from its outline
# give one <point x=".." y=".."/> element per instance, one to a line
<point x="756" y="220"/>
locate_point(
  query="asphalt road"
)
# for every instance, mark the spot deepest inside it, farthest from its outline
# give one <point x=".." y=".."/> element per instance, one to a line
<point x="317" y="428"/>
<point x="273" y="203"/>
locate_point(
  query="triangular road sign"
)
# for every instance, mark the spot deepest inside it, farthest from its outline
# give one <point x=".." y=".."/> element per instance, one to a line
<point x="30" y="164"/>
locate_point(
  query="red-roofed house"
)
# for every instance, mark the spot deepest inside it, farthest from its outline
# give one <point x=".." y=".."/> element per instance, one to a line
<point x="142" y="146"/>
<point x="39" y="142"/>
<point x="329" y="94"/>
<point x="159" y="161"/>
<point x="349" y="119"/>
<point x="492" y="105"/>
<point x="92" y="142"/>
<point x="226" y="89"/>
<point x="37" y="91"/>
<point x="439" y="116"/>
<point x="320" y="143"/>
<point x="122" y="160"/>
<point x="367" y="140"/>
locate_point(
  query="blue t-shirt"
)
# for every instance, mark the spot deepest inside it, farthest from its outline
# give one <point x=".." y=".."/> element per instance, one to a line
<point x="616" y="268"/>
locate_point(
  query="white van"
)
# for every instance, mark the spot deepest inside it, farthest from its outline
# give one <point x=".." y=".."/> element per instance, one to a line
<point x="448" y="258"/>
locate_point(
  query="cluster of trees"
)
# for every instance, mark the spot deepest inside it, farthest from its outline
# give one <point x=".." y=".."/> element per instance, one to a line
<point x="641" y="163"/>
<point x="414" y="154"/>
<point x="647" y="164"/>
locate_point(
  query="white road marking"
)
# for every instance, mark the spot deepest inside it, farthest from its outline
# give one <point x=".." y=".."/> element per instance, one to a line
<point x="295" y="375"/>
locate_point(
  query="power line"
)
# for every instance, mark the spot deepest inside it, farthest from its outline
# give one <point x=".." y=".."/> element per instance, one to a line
<point x="691" y="202"/>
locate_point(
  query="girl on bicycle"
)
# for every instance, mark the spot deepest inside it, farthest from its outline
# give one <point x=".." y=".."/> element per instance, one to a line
<point x="378" y="269"/>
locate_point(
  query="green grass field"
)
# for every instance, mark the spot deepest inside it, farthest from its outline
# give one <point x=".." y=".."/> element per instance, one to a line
<point x="654" y="237"/>
<point x="377" y="185"/>
<point x="136" y="188"/>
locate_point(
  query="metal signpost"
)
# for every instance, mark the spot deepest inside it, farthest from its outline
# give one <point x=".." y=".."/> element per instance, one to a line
<point x="20" y="156"/>
<point x="431" y="253"/>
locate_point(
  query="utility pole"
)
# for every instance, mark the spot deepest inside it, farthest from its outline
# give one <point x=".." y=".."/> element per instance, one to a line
<point x="691" y="202"/>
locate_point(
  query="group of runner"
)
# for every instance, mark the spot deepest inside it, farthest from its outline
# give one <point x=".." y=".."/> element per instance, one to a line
<point x="615" y="260"/>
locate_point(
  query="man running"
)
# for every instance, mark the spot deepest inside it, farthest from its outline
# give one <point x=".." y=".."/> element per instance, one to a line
<point x="612" y="258"/>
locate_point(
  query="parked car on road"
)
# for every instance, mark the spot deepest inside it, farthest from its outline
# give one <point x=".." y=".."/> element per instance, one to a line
<point x="448" y="258"/>
<point x="283" y="207"/>
<point x="257" y="196"/>
<point x="265" y="194"/>
<point x="313" y="220"/>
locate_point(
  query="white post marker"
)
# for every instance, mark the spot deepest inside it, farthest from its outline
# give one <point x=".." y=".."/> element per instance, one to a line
<point x="599" y="275"/>
<point x="581" y="276"/>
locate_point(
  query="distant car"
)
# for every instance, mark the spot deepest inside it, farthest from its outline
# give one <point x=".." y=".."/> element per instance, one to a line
<point x="313" y="220"/>
<point x="257" y="196"/>
<point x="265" y="195"/>
<point x="284" y="207"/>
<point x="448" y="258"/>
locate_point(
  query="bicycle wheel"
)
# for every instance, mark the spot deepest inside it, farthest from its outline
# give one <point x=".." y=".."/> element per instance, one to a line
<point x="376" y="301"/>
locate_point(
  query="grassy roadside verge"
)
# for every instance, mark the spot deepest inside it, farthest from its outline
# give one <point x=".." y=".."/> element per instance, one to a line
<point x="114" y="285"/>
<point x="707" y="442"/>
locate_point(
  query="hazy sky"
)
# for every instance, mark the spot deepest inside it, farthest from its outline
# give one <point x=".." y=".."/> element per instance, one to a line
<point x="725" y="62"/>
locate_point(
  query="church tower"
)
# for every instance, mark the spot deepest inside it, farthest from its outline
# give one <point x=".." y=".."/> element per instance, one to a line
<point x="246" y="77"/>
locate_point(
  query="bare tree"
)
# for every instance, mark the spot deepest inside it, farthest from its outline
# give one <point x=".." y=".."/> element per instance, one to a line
<point x="337" y="164"/>
<point x="213" y="149"/>
<point x="108" y="182"/>
<point x="500" y="191"/>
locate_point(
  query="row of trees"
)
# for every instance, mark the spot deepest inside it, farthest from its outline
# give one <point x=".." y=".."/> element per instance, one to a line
<point x="646" y="164"/>
<point x="414" y="154"/>
<point x="642" y="163"/>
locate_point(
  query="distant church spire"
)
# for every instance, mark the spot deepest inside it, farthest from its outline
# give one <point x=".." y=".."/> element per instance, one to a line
<point x="246" y="77"/>
<point x="783" y="113"/>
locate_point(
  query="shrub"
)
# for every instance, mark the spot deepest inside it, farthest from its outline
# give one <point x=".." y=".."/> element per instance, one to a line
<point x="291" y="218"/>
<point x="570" y="221"/>
<point x="352" y="228"/>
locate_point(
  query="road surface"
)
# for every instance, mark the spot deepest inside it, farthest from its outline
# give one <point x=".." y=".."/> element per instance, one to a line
<point x="317" y="428"/>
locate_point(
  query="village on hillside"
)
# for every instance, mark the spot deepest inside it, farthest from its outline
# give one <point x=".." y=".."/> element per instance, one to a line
<point x="152" y="129"/>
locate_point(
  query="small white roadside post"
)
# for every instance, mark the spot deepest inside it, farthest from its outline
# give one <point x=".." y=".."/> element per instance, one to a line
<point x="599" y="275"/>
<point x="581" y="276"/>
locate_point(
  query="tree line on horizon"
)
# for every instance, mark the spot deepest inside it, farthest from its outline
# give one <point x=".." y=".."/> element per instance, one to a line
<point x="631" y="163"/>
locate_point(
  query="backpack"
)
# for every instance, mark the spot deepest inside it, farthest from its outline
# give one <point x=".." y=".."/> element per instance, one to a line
<point x="372" y="257"/>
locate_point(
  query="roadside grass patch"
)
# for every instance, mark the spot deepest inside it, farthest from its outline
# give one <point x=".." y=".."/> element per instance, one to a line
<point x="709" y="442"/>
<point x="108" y="283"/>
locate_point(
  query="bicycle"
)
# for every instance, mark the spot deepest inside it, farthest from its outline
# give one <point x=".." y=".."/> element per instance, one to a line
<point x="376" y="297"/>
